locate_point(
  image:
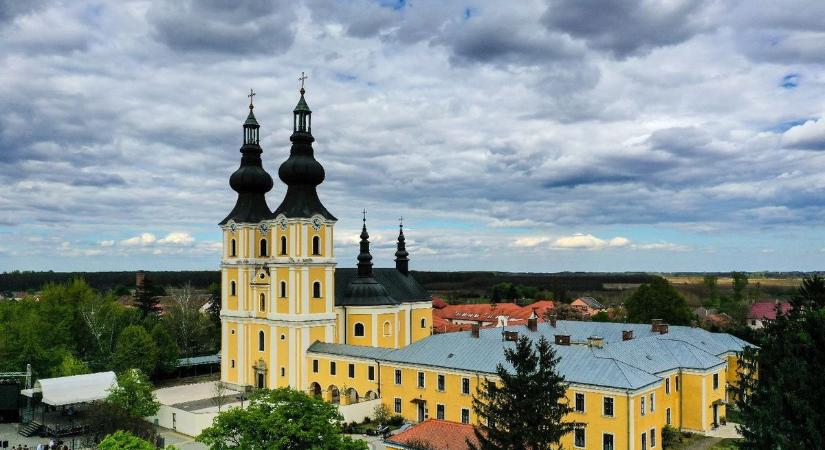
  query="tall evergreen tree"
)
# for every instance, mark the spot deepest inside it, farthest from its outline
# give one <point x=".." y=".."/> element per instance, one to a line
<point x="146" y="296"/>
<point x="658" y="300"/>
<point x="526" y="408"/>
<point x="781" y="389"/>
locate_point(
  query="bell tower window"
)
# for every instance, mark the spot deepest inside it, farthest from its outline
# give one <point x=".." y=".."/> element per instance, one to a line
<point x="262" y="305"/>
<point x="358" y="330"/>
<point x="232" y="248"/>
<point x="316" y="245"/>
<point x="261" y="341"/>
<point x="232" y="288"/>
<point x="283" y="289"/>
<point x="316" y="289"/>
<point x="283" y="245"/>
<point x="263" y="247"/>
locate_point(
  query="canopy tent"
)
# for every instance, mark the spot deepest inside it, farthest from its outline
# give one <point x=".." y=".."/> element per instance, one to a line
<point x="74" y="389"/>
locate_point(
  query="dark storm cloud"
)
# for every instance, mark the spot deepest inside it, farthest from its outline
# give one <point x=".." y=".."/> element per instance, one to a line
<point x="226" y="27"/>
<point x="629" y="27"/>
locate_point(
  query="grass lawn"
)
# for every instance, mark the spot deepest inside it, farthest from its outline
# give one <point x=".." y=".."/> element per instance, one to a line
<point x="685" y="441"/>
<point x="727" y="444"/>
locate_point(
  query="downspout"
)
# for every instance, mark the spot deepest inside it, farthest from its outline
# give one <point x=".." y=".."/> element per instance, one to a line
<point x="630" y="407"/>
<point x="681" y="400"/>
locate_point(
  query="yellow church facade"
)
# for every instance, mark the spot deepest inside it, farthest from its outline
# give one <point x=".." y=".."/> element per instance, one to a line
<point x="292" y="317"/>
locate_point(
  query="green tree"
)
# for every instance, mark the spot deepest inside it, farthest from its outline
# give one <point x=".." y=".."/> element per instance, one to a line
<point x="711" y="283"/>
<point x="167" y="350"/>
<point x="283" y="418"/>
<point x="192" y="330"/>
<point x="147" y="297"/>
<point x="601" y="316"/>
<point x="565" y="311"/>
<point x="135" y="350"/>
<point x="134" y="394"/>
<point x="123" y="440"/>
<point x="811" y="294"/>
<point x="740" y="283"/>
<point x="658" y="300"/>
<point x="526" y="408"/>
<point x="70" y="366"/>
<point x="382" y="413"/>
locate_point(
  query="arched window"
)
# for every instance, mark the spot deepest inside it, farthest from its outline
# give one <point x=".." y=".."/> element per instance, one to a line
<point x="263" y="247"/>
<point x="262" y="306"/>
<point x="232" y="288"/>
<point x="261" y="341"/>
<point x="316" y="289"/>
<point x="283" y="245"/>
<point x="387" y="328"/>
<point x="232" y="250"/>
<point x="359" y="329"/>
<point x="423" y="323"/>
<point x="283" y="289"/>
<point x="316" y="245"/>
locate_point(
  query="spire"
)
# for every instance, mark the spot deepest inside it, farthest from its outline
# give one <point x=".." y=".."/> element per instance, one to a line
<point x="364" y="257"/>
<point x="301" y="172"/>
<point x="250" y="181"/>
<point x="402" y="262"/>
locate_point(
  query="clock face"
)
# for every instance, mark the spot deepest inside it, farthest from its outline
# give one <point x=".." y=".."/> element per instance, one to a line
<point x="316" y="224"/>
<point x="283" y="224"/>
<point x="233" y="226"/>
<point x="264" y="228"/>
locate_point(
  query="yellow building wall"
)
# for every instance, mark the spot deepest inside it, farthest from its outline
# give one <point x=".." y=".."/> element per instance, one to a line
<point x="360" y="382"/>
<point x="232" y="300"/>
<point x="230" y="353"/>
<point x="317" y="305"/>
<point x="365" y="319"/>
<point x="419" y="332"/>
<point x="283" y="357"/>
<point x="597" y="422"/>
<point x="402" y="328"/>
<point x="452" y="398"/>
<point x="386" y="340"/>
<point x="278" y="234"/>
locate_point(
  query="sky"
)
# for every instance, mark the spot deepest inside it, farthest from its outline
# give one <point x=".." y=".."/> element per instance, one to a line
<point x="538" y="136"/>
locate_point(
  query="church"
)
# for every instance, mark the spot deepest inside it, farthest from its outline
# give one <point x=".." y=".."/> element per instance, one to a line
<point x="281" y="289"/>
<point x="362" y="337"/>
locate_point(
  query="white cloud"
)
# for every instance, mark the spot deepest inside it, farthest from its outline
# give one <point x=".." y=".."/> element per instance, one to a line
<point x="177" y="238"/>
<point x="531" y="241"/>
<point x="588" y="241"/>
<point x="809" y="135"/>
<point x="142" y="240"/>
<point x="107" y="243"/>
<point x="668" y="246"/>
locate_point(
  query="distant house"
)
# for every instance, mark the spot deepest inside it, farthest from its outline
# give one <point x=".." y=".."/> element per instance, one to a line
<point x="589" y="305"/>
<point x="762" y="312"/>
<point x="451" y="318"/>
<point x="439" y="434"/>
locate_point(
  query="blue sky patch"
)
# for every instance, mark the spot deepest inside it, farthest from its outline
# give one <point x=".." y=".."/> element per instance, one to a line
<point x="790" y="81"/>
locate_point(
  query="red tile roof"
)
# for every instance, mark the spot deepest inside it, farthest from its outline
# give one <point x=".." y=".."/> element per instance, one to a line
<point x="440" y="434"/>
<point x="767" y="310"/>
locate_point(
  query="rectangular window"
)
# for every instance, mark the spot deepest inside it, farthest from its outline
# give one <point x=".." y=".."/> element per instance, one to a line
<point x="314" y="366"/>
<point x="441" y="383"/>
<point x="465" y="415"/>
<point x="608" y="407"/>
<point x="421" y="379"/>
<point x="579" y="402"/>
<point x="578" y="438"/>
<point x="642" y="405"/>
<point x="371" y="373"/>
<point x="351" y="370"/>
<point x="607" y="442"/>
<point x="677" y="383"/>
<point x="332" y="367"/>
<point x="644" y="441"/>
<point x="667" y="385"/>
<point x="465" y="386"/>
<point x="652" y="437"/>
<point x="233" y="363"/>
<point x="397" y="405"/>
<point x="667" y="416"/>
<point x="716" y="381"/>
<point x="439" y="412"/>
<point x="652" y="402"/>
<point x="397" y="376"/>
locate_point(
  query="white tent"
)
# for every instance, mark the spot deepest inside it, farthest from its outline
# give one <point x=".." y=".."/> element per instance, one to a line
<point x="74" y="389"/>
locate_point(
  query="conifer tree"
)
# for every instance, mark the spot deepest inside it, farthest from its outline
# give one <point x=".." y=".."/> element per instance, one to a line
<point x="146" y="297"/>
<point x="527" y="407"/>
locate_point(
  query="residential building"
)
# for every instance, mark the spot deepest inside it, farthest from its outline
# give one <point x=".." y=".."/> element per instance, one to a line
<point x="762" y="312"/>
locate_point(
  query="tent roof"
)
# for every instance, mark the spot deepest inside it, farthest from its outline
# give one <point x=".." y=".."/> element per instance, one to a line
<point x="76" y="389"/>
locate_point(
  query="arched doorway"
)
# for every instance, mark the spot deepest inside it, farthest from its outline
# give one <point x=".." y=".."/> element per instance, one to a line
<point x="315" y="390"/>
<point x="334" y="395"/>
<point x="352" y="396"/>
<point x="370" y="395"/>
<point x="260" y="374"/>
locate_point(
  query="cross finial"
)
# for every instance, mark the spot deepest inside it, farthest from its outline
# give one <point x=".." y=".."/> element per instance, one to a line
<point x="251" y="95"/>
<point x="302" y="78"/>
<point x="401" y="222"/>
<point x="364" y="212"/>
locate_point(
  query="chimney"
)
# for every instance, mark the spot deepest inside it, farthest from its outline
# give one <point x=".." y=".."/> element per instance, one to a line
<point x="562" y="339"/>
<point x="474" y="329"/>
<point x="595" y="341"/>
<point x="510" y="335"/>
<point x="552" y="318"/>
<point x="654" y="325"/>
<point x="533" y="321"/>
<point x="663" y="328"/>
<point x="627" y="335"/>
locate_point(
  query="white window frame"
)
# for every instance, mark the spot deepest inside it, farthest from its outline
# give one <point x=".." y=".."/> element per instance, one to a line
<point x="351" y="370"/>
<point x="462" y="415"/>
<point x="668" y="417"/>
<point x="584" y="437"/>
<point x="363" y="329"/>
<point x="652" y="438"/>
<point x="576" y="402"/>
<point x="612" y="406"/>
<point x="398" y="378"/>
<point x="397" y="405"/>
<point x="612" y="437"/>
<point x="652" y="401"/>
<point x="462" y="386"/>
<point x="440" y="382"/>
<point x="443" y="411"/>
<point x="421" y="380"/>
<point x="642" y="405"/>
<point x="667" y="386"/>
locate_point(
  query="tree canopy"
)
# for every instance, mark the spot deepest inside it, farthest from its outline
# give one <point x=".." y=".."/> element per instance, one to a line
<point x="781" y="402"/>
<point x="134" y="394"/>
<point x="123" y="440"/>
<point x="283" y="418"/>
<point x="658" y="300"/>
<point x="135" y="350"/>
<point x="526" y="408"/>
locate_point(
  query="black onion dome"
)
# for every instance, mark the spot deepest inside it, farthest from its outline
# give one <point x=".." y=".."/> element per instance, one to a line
<point x="301" y="172"/>
<point x="250" y="181"/>
<point x="364" y="290"/>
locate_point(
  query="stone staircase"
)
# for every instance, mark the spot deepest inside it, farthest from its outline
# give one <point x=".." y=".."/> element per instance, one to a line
<point x="31" y="429"/>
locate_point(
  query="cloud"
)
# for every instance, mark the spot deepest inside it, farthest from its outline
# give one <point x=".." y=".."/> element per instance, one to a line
<point x="177" y="238"/>
<point x="809" y="135"/>
<point x="142" y="240"/>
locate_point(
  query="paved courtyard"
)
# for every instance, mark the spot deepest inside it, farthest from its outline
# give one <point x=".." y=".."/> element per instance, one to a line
<point x="8" y="432"/>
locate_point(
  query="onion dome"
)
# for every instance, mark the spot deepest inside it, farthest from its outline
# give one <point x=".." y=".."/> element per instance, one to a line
<point x="301" y="172"/>
<point x="364" y="290"/>
<point x="250" y="181"/>
<point x="402" y="262"/>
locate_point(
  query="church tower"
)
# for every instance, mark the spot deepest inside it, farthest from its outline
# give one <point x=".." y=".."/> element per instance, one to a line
<point x="278" y="267"/>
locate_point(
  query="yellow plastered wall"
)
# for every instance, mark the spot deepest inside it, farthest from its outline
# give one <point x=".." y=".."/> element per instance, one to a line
<point x="282" y="274"/>
<point x="321" y="233"/>
<point x="651" y="420"/>
<point x="278" y="234"/>
<point x="386" y="340"/>
<point x="365" y="319"/>
<point x="715" y="395"/>
<point x="402" y="328"/>
<point x="317" y="275"/>
<point x="253" y="352"/>
<point x="230" y="353"/>
<point x="452" y="398"/>
<point x="597" y="422"/>
<point x="671" y="400"/>
<point x="693" y="402"/>
<point x="283" y="356"/>
<point x="419" y="332"/>
<point x="341" y="379"/>
<point x="232" y="300"/>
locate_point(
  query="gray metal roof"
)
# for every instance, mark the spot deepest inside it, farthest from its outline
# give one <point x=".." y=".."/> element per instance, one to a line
<point x="401" y="287"/>
<point x="631" y="364"/>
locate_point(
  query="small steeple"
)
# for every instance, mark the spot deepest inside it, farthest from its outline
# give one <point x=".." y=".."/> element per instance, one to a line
<point x="250" y="181"/>
<point x="402" y="262"/>
<point x="364" y="257"/>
